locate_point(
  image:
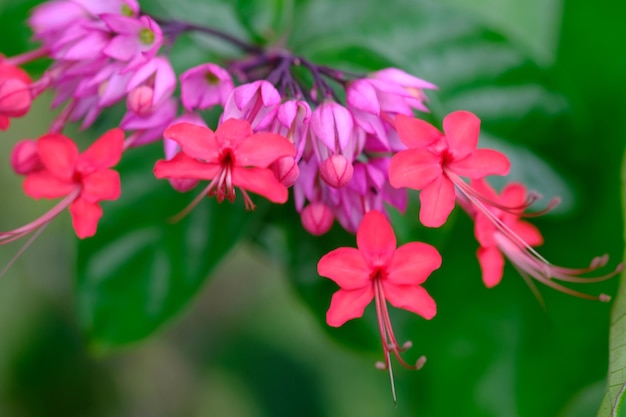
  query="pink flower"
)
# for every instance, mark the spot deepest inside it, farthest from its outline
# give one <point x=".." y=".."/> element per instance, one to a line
<point x="231" y="157"/>
<point x="502" y="233"/>
<point x="379" y="271"/>
<point x="136" y="38"/>
<point x="83" y="179"/>
<point x="435" y="162"/>
<point x="204" y="86"/>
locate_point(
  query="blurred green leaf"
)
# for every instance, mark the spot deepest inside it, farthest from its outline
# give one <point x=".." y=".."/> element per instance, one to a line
<point x="141" y="269"/>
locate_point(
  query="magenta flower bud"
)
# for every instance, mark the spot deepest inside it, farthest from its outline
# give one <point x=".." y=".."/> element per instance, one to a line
<point x="255" y="102"/>
<point x="158" y="74"/>
<point x="139" y="100"/>
<point x="136" y="38"/>
<point x="332" y="124"/>
<point x="205" y="86"/>
<point x="15" y="98"/>
<point x="336" y="171"/>
<point x="317" y="218"/>
<point x="286" y="170"/>
<point x="25" y="158"/>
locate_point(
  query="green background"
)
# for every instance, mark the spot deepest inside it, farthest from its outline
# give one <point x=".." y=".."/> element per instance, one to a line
<point x="223" y="313"/>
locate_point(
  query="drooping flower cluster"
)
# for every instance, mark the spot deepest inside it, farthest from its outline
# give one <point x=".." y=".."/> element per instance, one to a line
<point x="349" y="160"/>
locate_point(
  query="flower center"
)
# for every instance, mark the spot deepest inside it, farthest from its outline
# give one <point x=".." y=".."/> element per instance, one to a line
<point x="146" y="36"/>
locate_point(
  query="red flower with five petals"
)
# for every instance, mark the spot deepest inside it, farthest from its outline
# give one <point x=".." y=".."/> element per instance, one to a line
<point x="233" y="156"/>
<point x="435" y="162"/>
<point x="377" y="270"/>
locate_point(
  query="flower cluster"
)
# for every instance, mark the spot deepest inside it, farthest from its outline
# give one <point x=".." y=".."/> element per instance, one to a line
<point x="349" y="145"/>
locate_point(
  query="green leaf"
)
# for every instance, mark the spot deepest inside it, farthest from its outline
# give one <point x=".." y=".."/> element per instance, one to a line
<point x="613" y="404"/>
<point x="141" y="269"/>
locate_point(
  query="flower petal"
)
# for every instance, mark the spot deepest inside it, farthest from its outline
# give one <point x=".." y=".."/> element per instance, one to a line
<point x="412" y="263"/>
<point x="232" y="132"/>
<point x="492" y="265"/>
<point x="528" y="232"/>
<point x="85" y="217"/>
<point x="182" y="166"/>
<point x="375" y="239"/>
<point x="101" y="185"/>
<point x="42" y="184"/>
<point x="105" y="152"/>
<point x="346" y="267"/>
<point x="261" y="149"/>
<point x="58" y="154"/>
<point x="414" y="168"/>
<point x="196" y="141"/>
<point x="411" y="298"/>
<point x="416" y="133"/>
<point x="481" y="163"/>
<point x="461" y="129"/>
<point x="348" y="304"/>
<point x="437" y="202"/>
<point x="484" y="230"/>
<point x="260" y="181"/>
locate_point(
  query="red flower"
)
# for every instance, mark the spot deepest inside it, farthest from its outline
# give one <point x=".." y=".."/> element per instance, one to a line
<point x="84" y="180"/>
<point x="377" y="270"/>
<point x="436" y="162"/>
<point x="231" y="157"/>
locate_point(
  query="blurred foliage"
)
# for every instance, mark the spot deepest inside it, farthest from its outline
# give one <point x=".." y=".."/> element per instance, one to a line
<point x="547" y="79"/>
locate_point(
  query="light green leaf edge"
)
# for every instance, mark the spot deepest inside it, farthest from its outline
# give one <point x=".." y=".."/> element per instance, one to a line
<point x="614" y="399"/>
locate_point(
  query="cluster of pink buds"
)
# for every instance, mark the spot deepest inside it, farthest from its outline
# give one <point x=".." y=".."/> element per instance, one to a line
<point x="349" y="160"/>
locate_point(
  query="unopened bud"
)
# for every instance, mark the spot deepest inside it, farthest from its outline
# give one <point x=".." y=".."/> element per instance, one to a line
<point x="182" y="185"/>
<point x="139" y="100"/>
<point x="15" y="98"/>
<point x="317" y="218"/>
<point x="24" y="157"/>
<point x="286" y="170"/>
<point x="336" y="171"/>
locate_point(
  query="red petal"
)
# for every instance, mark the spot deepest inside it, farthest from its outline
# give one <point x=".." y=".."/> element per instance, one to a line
<point x="42" y="184"/>
<point x="346" y="267"/>
<point x="375" y="239"/>
<point x="182" y="166"/>
<point x="260" y="181"/>
<point x="413" y="263"/>
<point x="348" y="304"/>
<point x="484" y="230"/>
<point x="105" y="152"/>
<point x="481" y="163"/>
<point x="261" y="149"/>
<point x="492" y="265"/>
<point x="437" y="202"/>
<point x="416" y="133"/>
<point x="58" y="154"/>
<point x="196" y="141"/>
<point x="4" y="122"/>
<point x="232" y="132"/>
<point x="85" y="216"/>
<point x="414" y="168"/>
<point x="513" y="195"/>
<point x="101" y="185"/>
<point x="528" y="232"/>
<point x="461" y="129"/>
<point x="411" y="298"/>
<point x="482" y="187"/>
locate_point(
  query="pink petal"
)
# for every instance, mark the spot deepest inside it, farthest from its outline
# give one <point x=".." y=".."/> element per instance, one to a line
<point x="348" y="304"/>
<point x="414" y="168"/>
<point x="375" y="239"/>
<point x="58" y="154"/>
<point x="484" y="230"/>
<point x="182" y="166"/>
<point x="101" y="185"/>
<point x="196" y="141"/>
<point x="411" y="298"/>
<point x="513" y="195"/>
<point x="416" y="133"/>
<point x="437" y="202"/>
<point x="85" y="216"/>
<point x="261" y="181"/>
<point x="528" y="232"/>
<point x="346" y="267"/>
<point x="461" y="129"/>
<point x="492" y="265"/>
<point x="481" y="163"/>
<point x="412" y="263"/>
<point x="261" y="149"/>
<point x="42" y="184"/>
<point x="122" y="47"/>
<point x="105" y="152"/>
<point x="483" y="188"/>
<point x="232" y="132"/>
